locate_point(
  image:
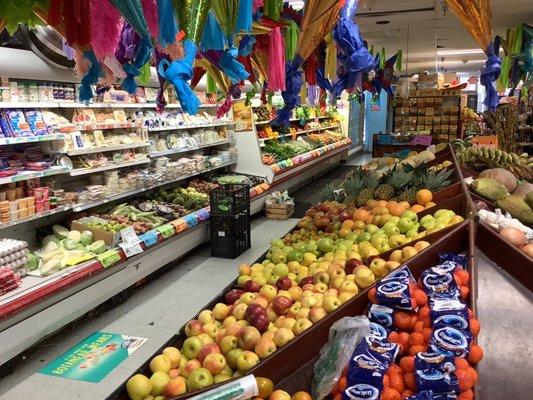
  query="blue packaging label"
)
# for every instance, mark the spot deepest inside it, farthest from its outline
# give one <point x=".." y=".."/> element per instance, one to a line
<point x="436" y="373"/>
<point x="394" y="293"/>
<point x="449" y="340"/>
<point x="448" y="313"/>
<point x="378" y="331"/>
<point x="460" y="259"/>
<point x="149" y="238"/>
<point x="384" y="316"/>
<point x="361" y="391"/>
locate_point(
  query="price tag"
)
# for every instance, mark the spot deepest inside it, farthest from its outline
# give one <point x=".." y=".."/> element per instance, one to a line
<point x="202" y="214"/>
<point x="190" y="220"/>
<point x="180" y="225"/>
<point x="149" y="238"/>
<point x="109" y="257"/>
<point x="128" y="235"/>
<point x="130" y="249"/>
<point x="166" y="230"/>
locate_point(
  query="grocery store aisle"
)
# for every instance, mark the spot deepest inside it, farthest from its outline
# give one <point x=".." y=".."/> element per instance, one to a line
<point x="156" y="311"/>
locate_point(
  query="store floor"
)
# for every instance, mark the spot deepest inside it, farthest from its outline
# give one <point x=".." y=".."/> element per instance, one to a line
<point x="159" y="308"/>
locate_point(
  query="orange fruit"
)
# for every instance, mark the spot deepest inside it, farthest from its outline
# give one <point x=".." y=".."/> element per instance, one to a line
<point x="338" y="396"/>
<point x="405" y="205"/>
<point x="462" y="277"/>
<point x="394" y="369"/>
<point x="393" y="337"/>
<point x="403" y="321"/>
<point x="465" y="378"/>
<point x="390" y="394"/>
<point x="461" y="363"/>
<point x="427" y="332"/>
<point x="301" y="396"/>
<point x="476" y="354"/>
<point x="407" y="364"/>
<point x="396" y="382"/>
<point x="417" y="208"/>
<point x="424" y="196"/>
<point x="474" y="326"/>
<point x="372" y="295"/>
<point x="343" y="383"/>
<point x="464" y="292"/>
<point x="423" y="313"/>
<point x="429" y="205"/>
<point x="382" y="203"/>
<point x="467" y="395"/>
<point x="407" y="393"/>
<point x="418" y="326"/>
<point x="391" y="203"/>
<point x="265" y="386"/>
<point x="369" y="219"/>
<point x="420" y="297"/>
<point x="403" y="340"/>
<point x="360" y="215"/>
<point x="418" y="348"/>
<point x="409" y="380"/>
<point x="386" y="381"/>
<point x="416" y="338"/>
<point x="347" y="224"/>
<point x="396" y="210"/>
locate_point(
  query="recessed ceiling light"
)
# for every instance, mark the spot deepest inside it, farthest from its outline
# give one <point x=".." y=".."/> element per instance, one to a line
<point x="383" y="22"/>
<point x="459" y="52"/>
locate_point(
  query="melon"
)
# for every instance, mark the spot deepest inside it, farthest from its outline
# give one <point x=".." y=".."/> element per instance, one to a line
<point x="506" y="178"/>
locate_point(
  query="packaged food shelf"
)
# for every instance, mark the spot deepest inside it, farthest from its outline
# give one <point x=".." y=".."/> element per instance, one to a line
<point x="103" y="149"/>
<point x="85" y="171"/>
<point x="191" y="126"/>
<point x="104" y="126"/>
<point x="187" y="149"/>
<point x="72" y="104"/>
<point x="4" y="141"/>
<point x="25" y="175"/>
<point x="262" y="140"/>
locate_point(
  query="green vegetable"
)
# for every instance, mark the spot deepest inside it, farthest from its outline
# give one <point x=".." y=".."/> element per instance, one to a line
<point x="74" y="235"/>
<point x="70" y="244"/>
<point x="97" y="247"/>
<point x="86" y="238"/>
<point x="50" y="238"/>
<point x="60" y="231"/>
<point x="51" y="266"/>
<point x="32" y="262"/>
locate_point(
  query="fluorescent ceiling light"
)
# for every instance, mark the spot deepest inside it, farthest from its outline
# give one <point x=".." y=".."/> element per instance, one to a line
<point x="459" y="52"/>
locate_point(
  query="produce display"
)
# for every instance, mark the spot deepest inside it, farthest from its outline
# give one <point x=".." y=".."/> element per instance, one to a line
<point x="422" y="341"/>
<point x="305" y="276"/>
<point x="484" y="157"/>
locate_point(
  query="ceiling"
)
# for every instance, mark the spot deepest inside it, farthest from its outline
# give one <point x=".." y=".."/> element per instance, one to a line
<point x="417" y="26"/>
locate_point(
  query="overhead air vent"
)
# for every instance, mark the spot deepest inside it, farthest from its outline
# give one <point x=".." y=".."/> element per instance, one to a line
<point x="47" y="44"/>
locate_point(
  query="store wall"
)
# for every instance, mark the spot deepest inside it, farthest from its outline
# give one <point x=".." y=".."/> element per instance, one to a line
<point x="375" y="117"/>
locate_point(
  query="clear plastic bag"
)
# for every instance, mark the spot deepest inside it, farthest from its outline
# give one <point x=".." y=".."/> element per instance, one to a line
<point x="344" y="335"/>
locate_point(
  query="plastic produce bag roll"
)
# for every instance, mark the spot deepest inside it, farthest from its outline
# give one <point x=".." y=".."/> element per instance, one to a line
<point x="244" y="388"/>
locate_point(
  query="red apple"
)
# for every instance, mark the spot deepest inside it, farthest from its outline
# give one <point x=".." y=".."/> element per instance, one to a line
<point x="305" y="281"/>
<point x="210" y="348"/>
<point x="233" y="295"/>
<point x="344" y="215"/>
<point x="281" y="304"/>
<point x="251" y="286"/>
<point x="351" y="264"/>
<point x="259" y="321"/>
<point x="284" y="283"/>
<point x="253" y="309"/>
<point x="248" y="337"/>
<point x="193" y="328"/>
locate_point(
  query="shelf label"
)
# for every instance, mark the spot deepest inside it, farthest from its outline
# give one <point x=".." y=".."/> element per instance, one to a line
<point x="166" y="230"/>
<point x="190" y="220"/>
<point x="180" y="225"/>
<point x="131" y="249"/>
<point x="202" y="214"/>
<point x="109" y="258"/>
<point x="149" y="238"/>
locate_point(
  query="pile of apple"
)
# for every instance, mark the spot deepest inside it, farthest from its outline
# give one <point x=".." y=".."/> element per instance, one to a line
<point x="276" y="300"/>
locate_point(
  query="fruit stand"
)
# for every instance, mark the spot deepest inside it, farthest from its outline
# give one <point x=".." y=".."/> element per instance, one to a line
<point x="286" y="366"/>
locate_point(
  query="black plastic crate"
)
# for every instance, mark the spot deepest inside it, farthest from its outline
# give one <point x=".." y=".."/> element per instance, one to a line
<point x="230" y="225"/>
<point x="230" y="246"/>
<point x="229" y="199"/>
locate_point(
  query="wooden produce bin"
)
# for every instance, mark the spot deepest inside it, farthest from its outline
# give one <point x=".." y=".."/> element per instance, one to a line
<point x="295" y="354"/>
<point x="279" y="211"/>
<point x="293" y="370"/>
<point x="508" y="257"/>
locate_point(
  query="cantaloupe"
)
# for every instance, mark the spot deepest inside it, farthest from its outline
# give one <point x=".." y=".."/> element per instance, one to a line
<point x="506" y="178"/>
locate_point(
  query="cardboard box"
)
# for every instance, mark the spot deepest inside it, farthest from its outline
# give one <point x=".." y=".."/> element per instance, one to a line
<point x="110" y="238"/>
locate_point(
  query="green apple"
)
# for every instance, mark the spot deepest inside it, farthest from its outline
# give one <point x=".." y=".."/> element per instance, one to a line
<point x="371" y="228"/>
<point x="364" y="277"/>
<point x="138" y="387"/>
<point x="287" y="249"/>
<point x="429" y="224"/>
<point x="191" y="347"/>
<point x="351" y="237"/>
<point x="378" y="266"/>
<point x="364" y="237"/>
<point x="383" y="247"/>
<point x="405" y="224"/>
<point x="411" y="233"/>
<point x="280" y="269"/>
<point x="277" y="243"/>
<point x="426" y="218"/>
<point x="300" y="246"/>
<point x="411" y="215"/>
<point x="199" y="379"/>
<point x="325" y="245"/>
<point x="378" y="239"/>
<point x="391" y="229"/>
<point x="312" y="247"/>
<point x="396" y="240"/>
<point x="159" y="380"/>
<point x="231" y="357"/>
<point x="294" y="256"/>
<point x="308" y="258"/>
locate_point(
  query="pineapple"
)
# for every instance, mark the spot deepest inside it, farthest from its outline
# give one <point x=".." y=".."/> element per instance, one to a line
<point x="433" y="180"/>
<point x="352" y="188"/>
<point x="408" y="195"/>
<point x="396" y="180"/>
<point x="328" y="192"/>
<point x="370" y="182"/>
